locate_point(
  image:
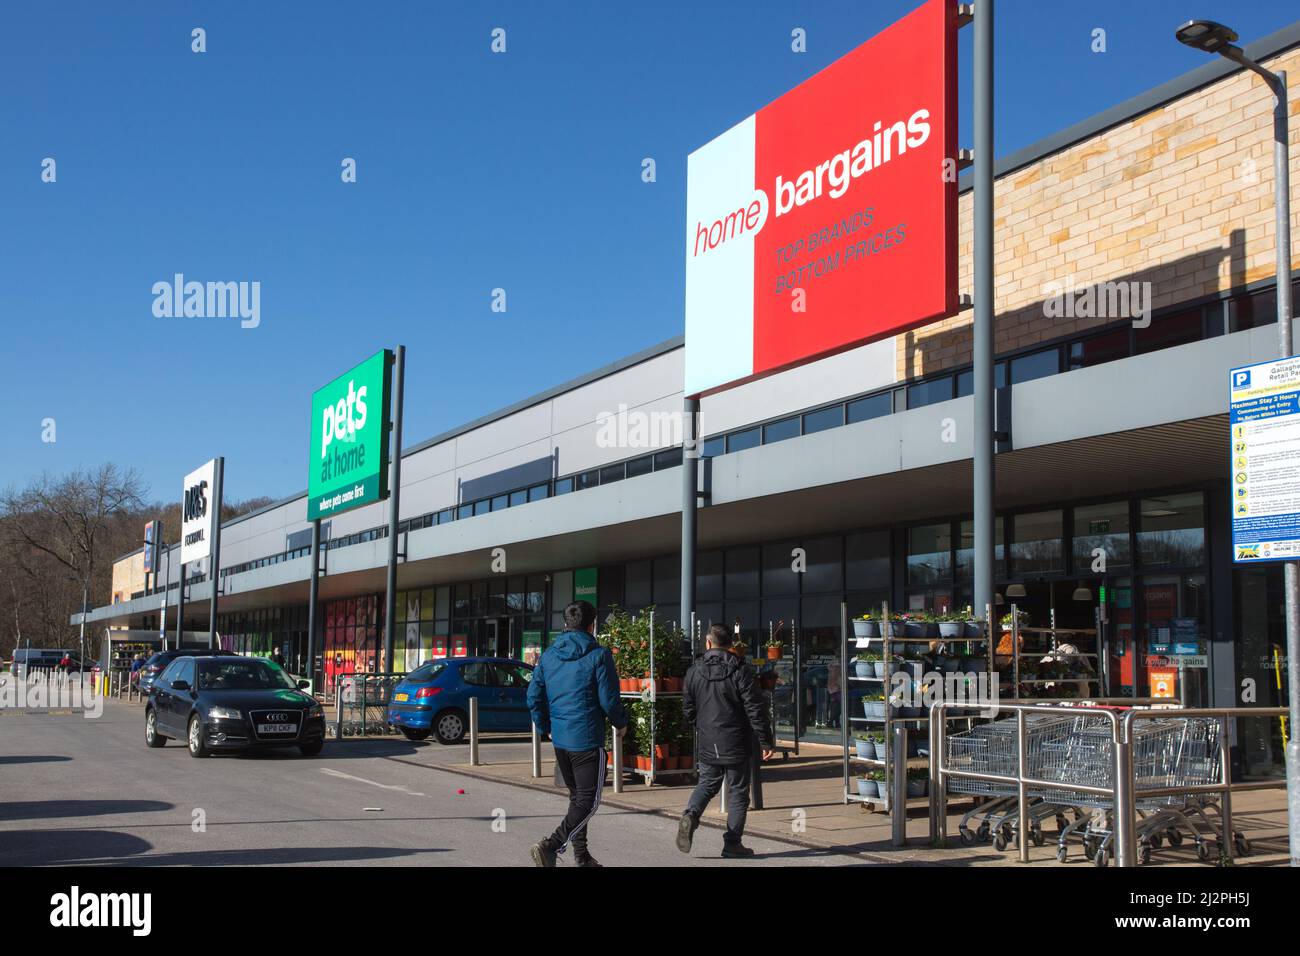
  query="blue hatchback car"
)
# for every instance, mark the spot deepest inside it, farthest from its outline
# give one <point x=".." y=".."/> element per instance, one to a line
<point x="434" y="698"/>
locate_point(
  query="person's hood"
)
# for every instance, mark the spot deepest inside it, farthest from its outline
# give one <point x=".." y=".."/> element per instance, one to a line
<point x="572" y="645"/>
<point x="717" y="664"/>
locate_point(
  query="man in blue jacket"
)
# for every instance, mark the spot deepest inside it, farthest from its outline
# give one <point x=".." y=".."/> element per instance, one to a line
<point x="574" y="688"/>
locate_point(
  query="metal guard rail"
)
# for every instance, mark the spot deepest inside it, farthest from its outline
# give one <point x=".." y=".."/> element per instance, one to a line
<point x="1125" y="792"/>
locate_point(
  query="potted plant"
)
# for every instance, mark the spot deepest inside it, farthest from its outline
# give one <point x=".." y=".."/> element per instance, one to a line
<point x="873" y="705"/>
<point x="878" y="778"/>
<point x="864" y="664"/>
<point x="866" y="626"/>
<point x="881" y="748"/>
<point x="974" y="623"/>
<point x="773" y="646"/>
<point x="918" y="782"/>
<point x="865" y="745"/>
<point x="951" y="625"/>
<point x="893" y="627"/>
<point x="866" y="785"/>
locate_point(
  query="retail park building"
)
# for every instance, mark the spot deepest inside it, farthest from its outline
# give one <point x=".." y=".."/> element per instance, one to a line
<point x="1118" y="439"/>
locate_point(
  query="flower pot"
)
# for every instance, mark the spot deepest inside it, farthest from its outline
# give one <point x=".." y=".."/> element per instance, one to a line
<point x="914" y="629"/>
<point x="863" y="669"/>
<point x="878" y="668"/>
<point x="889" y="629"/>
<point x="866" y="788"/>
<point x="873" y="708"/>
<point x="882" y="749"/>
<point x="627" y="685"/>
<point x="951" y="665"/>
<point x="865" y="629"/>
<point x="951" y="628"/>
<point x="917" y="788"/>
<point x="865" y="749"/>
<point x="974" y="628"/>
<point x="642" y="763"/>
<point x="774" y="653"/>
<point x="670" y="763"/>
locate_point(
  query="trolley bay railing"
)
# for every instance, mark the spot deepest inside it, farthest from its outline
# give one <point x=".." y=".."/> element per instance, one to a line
<point x="1133" y="772"/>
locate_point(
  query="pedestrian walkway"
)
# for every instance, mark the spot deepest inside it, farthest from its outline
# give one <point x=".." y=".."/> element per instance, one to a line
<point x="804" y="804"/>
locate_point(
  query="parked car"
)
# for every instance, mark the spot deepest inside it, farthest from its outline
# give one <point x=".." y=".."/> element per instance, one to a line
<point x="220" y="702"/>
<point x="29" y="659"/>
<point x="157" y="663"/>
<point x="434" y="698"/>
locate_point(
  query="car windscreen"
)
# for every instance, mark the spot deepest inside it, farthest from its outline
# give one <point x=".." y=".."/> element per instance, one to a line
<point x="242" y="673"/>
<point x="426" y="672"/>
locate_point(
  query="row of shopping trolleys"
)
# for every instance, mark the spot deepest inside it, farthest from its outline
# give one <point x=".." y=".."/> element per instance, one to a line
<point x="1079" y="751"/>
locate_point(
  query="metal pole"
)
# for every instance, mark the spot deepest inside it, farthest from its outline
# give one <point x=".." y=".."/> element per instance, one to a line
<point x="167" y="582"/>
<point x="537" y="752"/>
<point x="214" y="559"/>
<point x="844" y="691"/>
<point x="898" y="796"/>
<point x="180" y="605"/>
<point x="983" y="319"/>
<point x="473" y="731"/>
<point x="1022" y="793"/>
<point x="82" y="638"/>
<point x="1290" y="570"/>
<point x="690" y="484"/>
<point x="1125" y="809"/>
<point x="618" y="761"/>
<point x="313" y="596"/>
<point x="394" y="504"/>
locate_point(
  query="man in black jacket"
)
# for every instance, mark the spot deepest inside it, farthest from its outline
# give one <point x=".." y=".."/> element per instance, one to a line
<point x="726" y="707"/>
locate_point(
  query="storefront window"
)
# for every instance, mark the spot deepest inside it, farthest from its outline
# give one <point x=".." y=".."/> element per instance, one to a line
<point x="1101" y="533"/>
<point x="779" y="577"/>
<point x="867" y="561"/>
<point x="1173" y="648"/>
<point x="1036" y="545"/>
<point x="966" y="551"/>
<point x="1259" y="625"/>
<point x="929" y="553"/>
<point x="1171" y="531"/>
<point x="742" y="573"/>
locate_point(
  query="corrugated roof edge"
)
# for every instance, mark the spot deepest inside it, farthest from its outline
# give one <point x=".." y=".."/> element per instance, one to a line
<point x="1213" y="71"/>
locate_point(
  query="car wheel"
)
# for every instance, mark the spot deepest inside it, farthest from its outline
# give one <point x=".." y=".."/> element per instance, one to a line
<point x="450" y="726"/>
<point x="198" y="746"/>
<point x="412" y="733"/>
<point x="151" y="735"/>
<point x="312" y="749"/>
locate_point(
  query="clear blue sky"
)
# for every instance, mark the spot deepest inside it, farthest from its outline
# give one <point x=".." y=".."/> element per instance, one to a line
<point x="475" y="171"/>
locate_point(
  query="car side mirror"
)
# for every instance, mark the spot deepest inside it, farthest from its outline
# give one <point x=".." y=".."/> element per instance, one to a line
<point x="304" y="684"/>
<point x="180" y="685"/>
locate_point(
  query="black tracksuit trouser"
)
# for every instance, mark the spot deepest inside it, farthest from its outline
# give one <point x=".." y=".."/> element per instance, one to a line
<point x="583" y="772"/>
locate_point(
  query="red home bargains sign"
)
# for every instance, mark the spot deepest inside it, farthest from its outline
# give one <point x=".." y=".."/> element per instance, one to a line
<point x="828" y="218"/>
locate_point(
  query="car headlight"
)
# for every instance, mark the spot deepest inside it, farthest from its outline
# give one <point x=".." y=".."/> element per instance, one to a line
<point x="315" y="710"/>
<point x="224" y="713"/>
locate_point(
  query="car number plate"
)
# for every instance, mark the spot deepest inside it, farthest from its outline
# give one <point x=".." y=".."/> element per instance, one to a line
<point x="399" y="697"/>
<point x="276" y="728"/>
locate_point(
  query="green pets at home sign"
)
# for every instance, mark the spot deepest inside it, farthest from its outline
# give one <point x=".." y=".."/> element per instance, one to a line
<point x="349" y="439"/>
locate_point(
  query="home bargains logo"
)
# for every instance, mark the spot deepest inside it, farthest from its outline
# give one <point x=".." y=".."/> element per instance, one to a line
<point x="828" y="218"/>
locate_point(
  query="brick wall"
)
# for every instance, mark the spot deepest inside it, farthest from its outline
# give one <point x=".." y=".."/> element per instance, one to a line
<point x="1181" y="197"/>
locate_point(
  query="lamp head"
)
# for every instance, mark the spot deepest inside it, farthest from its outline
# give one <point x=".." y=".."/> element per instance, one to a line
<point x="1206" y="35"/>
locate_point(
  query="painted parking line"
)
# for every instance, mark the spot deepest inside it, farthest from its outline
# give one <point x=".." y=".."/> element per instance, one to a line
<point x="381" y="786"/>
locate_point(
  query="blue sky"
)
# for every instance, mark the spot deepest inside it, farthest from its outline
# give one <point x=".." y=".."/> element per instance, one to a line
<point x="475" y="171"/>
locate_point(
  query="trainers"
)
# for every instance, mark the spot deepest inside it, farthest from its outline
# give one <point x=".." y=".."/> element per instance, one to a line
<point x="543" y="853"/>
<point x="686" y="827"/>
<point x="736" y="851"/>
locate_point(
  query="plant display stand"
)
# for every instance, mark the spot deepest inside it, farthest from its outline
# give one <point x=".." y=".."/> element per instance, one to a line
<point x="1040" y="672"/>
<point x="890" y="642"/>
<point x="624" y="639"/>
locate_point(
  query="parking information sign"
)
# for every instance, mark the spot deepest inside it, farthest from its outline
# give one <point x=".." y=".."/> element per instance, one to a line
<point x="1265" y="460"/>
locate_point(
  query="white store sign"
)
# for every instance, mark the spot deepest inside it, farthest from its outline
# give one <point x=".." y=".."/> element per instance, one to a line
<point x="1264" y="460"/>
<point x="198" y="511"/>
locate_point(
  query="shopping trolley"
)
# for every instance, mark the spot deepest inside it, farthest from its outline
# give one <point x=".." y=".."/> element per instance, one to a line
<point x="991" y="748"/>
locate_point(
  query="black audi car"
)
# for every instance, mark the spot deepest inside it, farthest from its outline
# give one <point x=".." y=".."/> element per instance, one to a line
<point x="232" y="703"/>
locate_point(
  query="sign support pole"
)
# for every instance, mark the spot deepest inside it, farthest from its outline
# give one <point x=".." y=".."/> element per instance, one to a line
<point x="180" y="604"/>
<point x="214" y="559"/>
<point x="690" y="482"/>
<point x="1291" y="569"/>
<point x="394" y="505"/>
<point x="312" y="597"/>
<point x="982" y="338"/>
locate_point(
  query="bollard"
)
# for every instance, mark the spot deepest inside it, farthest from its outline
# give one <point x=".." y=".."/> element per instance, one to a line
<point x="898" y="799"/>
<point x="618" y="762"/>
<point x="1225" y="777"/>
<point x="473" y="732"/>
<point x="537" y="752"/>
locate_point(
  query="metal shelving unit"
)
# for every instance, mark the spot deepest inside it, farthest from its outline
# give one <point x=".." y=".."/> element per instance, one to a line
<point x="890" y="723"/>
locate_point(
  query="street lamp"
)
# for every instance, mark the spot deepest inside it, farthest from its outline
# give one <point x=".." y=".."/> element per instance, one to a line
<point x="1211" y="37"/>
